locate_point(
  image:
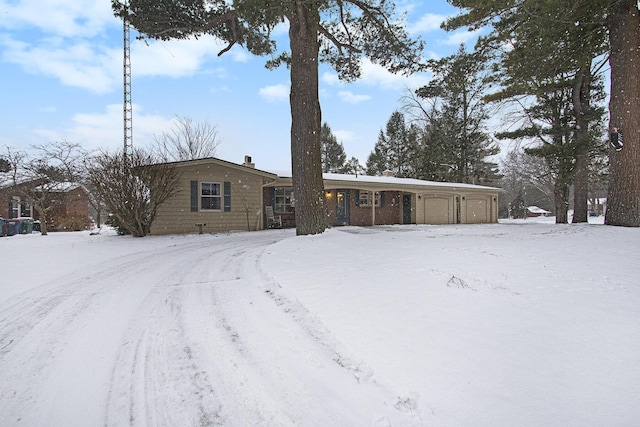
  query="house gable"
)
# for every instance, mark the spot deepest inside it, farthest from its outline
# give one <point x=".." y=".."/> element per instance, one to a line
<point x="214" y="196"/>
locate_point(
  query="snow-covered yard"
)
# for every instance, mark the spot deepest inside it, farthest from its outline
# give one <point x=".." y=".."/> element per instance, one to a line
<point x="521" y="323"/>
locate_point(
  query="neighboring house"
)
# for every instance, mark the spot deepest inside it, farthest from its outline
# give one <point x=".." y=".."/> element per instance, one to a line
<point x="597" y="206"/>
<point x="217" y="195"/>
<point x="69" y="204"/>
<point x="534" y="211"/>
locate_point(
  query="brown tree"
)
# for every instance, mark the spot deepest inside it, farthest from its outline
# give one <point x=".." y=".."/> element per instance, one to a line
<point x="623" y="200"/>
<point x="132" y="187"/>
<point x="337" y="33"/>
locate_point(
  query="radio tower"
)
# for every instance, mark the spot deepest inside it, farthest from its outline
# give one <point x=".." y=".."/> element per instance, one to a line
<point x="127" y="107"/>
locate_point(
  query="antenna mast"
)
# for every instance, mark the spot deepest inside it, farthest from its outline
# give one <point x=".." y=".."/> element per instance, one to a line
<point x="127" y="107"/>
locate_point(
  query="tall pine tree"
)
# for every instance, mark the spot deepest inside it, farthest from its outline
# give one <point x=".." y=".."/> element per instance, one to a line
<point x="559" y="34"/>
<point x="458" y="115"/>
<point x="334" y="159"/>
<point x="337" y="33"/>
<point x="391" y="151"/>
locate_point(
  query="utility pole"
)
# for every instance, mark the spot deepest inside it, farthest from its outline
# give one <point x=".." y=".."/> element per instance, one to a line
<point x="127" y="106"/>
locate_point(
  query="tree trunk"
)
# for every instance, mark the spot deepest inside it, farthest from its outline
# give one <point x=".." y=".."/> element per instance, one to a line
<point x="623" y="200"/>
<point x="43" y="223"/>
<point x="306" y="159"/>
<point x="561" y="200"/>
<point x="581" y="98"/>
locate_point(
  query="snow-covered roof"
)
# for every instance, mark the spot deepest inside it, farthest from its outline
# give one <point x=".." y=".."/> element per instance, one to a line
<point x="337" y="180"/>
<point x="60" y="187"/>
<point x="537" y="210"/>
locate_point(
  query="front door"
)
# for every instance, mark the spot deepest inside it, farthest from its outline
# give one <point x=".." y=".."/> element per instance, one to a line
<point x="342" y="207"/>
<point x="406" y="208"/>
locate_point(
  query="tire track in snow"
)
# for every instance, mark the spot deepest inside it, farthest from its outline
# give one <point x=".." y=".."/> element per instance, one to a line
<point x="166" y="373"/>
<point x="45" y="330"/>
<point x="193" y="340"/>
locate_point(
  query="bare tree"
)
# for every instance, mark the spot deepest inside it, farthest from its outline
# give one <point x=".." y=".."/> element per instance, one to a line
<point x="527" y="180"/>
<point x="41" y="176"/>
<point x="133" y="187"/>
<point x="188" y="140"/>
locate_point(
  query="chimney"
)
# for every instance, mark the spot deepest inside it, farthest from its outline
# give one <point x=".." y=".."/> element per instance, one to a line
<point x="247" y="162"/>
<point x="388" y="173"/>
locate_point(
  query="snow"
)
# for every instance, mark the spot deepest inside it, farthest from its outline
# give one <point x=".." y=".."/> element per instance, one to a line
<point x="537" y="210"/>
<point x="522" y="323"/>
<point x="390" y="181"/>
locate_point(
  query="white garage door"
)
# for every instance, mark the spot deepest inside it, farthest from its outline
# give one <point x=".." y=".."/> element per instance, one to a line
<point x="437" y="210"/>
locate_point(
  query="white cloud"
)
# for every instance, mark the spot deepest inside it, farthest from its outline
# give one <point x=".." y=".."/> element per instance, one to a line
<point x="344" y="135"/>
<point x="351" y="98"/>
<point x="98" y="68"/>
<point x="105" y="130"/>
<point x="67" y="18"/>
<point x="461" y="37"/>
<point x="174" y="58"/>
<point x="240" y="54"/>
<point x="427" y="22"/>
<point x="275" y="93"/>
<point x="330" y="78"/>
<point x="80" y="64"/>
<point x="376" y="75"/>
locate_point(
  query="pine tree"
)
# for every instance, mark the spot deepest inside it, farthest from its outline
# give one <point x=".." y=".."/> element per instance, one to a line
<point x="391" y="151"/>
<point x="354" y="167"/>
<point x="334" y="158"/>
<point x="555" y="37"/>
<point x="336" y="33"/>
<point x="458" y="115"/>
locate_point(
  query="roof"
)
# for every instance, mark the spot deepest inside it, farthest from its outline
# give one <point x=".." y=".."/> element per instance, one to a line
<point x="537" y="210"/>
<point x="214" y="160"/>
<point x="60" y="187"/>
<point x="63" y="187"/>
<point x="375" y="183"/>
<point x="338" y="181"/>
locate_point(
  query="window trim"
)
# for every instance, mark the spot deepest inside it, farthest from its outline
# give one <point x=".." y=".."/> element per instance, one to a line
<point x="367" y="202"/>
<point x="287" y="206"/>
<point x="218" y="196"/>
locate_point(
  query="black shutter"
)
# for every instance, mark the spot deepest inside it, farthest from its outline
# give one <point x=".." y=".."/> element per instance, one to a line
<point x="194" y="196"/>
<point x="227" y="196"/>
<point x="382" y="199"/>
<point x="357" y="198"/>
<point x="272" y="197"/>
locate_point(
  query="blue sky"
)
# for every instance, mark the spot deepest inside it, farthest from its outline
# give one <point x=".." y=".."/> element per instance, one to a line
<point x="61" y="67"/>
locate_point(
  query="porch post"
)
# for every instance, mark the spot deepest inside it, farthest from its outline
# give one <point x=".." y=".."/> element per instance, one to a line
<point x="373" y="208"/>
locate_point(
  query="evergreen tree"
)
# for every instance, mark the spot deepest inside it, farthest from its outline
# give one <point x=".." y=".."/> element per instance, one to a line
<point x="354" y="167"/>
<point x="559" y="37"/>
<point x="391" y="152"/>
<point x="337" y="33"/>
<point x="334" y="158"/>
<point x="550" y="123"/>
<point x="458" y="115"/>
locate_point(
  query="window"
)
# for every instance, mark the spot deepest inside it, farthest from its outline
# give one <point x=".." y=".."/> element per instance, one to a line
<point x="365" y="198"/>
<point x="20" y="208"/>
<point x="283" y="199"/>
<point x="210" y="196"/>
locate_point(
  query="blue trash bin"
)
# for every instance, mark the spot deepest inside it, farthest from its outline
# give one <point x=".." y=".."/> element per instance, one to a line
<point x="4" y="227"/>
<point x="15" y="225"/>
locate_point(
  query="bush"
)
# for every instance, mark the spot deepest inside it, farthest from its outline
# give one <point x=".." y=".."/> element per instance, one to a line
<point x="112" y="221"/>
<point x="72" y="223"/>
